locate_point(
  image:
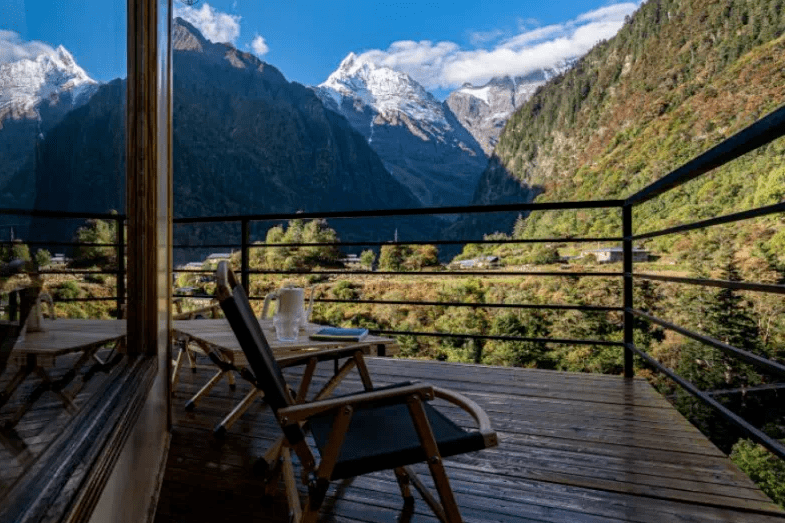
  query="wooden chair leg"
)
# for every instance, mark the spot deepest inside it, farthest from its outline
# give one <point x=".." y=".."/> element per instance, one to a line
<point x="191" y="403"/>
<point x="404" y="482"/>
<point x="191" y="356"/>
<point x="365" y="376"/>
<point x="426" y="495"/>
<point x="292" y="496"/>
<point x="435" y="464"/>
<point x="302" y="392"/>
<point x="238" y="411"/>
<point x="330" y="386"/>
<point x="176" y="364"/>
<point x="267" y="462"/>
<point x="23" y="372"/>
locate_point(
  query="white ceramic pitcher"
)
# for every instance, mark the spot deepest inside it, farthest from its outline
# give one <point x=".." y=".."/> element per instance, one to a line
<point x="291" y="302"/>
<point x="35" y="320"/>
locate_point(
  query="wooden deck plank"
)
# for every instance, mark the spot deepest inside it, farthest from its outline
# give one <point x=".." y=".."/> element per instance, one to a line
<point x="573" y="448"/>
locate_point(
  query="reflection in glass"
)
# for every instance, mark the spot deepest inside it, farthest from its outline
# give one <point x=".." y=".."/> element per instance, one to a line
<point x="62" y="199"/>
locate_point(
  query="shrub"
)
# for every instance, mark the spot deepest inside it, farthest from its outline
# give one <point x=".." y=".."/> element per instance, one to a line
<point x="67" y="290"/>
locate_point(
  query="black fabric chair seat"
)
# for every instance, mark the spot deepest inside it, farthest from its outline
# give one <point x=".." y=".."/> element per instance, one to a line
<point x="384" y="437"/>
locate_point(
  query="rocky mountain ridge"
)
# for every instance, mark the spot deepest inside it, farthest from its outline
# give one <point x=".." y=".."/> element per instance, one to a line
<point x="420" y="141"/>
<point x="485" y="109"/>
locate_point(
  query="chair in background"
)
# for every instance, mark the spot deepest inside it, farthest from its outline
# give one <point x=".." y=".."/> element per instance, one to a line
<point x="376" y="429"/>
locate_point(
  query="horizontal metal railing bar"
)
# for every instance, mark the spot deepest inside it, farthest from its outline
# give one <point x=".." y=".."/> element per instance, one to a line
<point x="416" y="211"/>
<point x="417" y="242"/>
<point x="729" y="218"/>
<point x="75" y="271"/>
<point x="560" y="341"/>
<point x="415" y="273"/>
<point x="96" y="298"/>
<point x="590" y="308"/>
<point x="745" y="390"/>
<point x="234" y="246"/>
<point x="60" y="244"/>
<point x="438" y="242"/>
<point x="770" y="443"/>
<point x="724" y="284"/>
<point x="62" y="214"/>
<point x="765" y="130"/>
<point x="450" y="273"/>
<point x="740" y="354"/>
<point x="585" y="308"/>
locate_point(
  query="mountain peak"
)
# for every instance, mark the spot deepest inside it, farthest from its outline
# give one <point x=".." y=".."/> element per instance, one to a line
<point x="385" y="90"/>
<point x="484" y="109"/>
<point x="186" y="37"/>
<point x="348" y="62"/>
<point x="65" y="56"/>
<point x="52" y="76"/>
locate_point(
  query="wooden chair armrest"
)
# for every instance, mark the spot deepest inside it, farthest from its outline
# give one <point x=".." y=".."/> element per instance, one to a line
<point x="301" y="412"/>
<point x="476" y="412"/>
<point x="323" y="355"/>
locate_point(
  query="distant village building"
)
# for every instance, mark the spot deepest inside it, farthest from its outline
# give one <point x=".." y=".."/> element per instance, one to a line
<point x="616" y="254"/>
<point x="191" y="266"/>
<point x="482" y="262"/>
<point x="218" y="257"/>
<point x="59" y="259"/>
<point x="352" y="261"/>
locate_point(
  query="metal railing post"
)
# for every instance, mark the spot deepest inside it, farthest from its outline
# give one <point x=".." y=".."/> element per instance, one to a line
<point x="13" y="305"/>
<point x="245" y="233"/>
<point x="626" y="219"/>
<point x="120" y="266"/>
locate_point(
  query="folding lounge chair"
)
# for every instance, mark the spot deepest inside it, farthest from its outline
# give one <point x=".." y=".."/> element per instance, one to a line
<point x="377" y="429"/>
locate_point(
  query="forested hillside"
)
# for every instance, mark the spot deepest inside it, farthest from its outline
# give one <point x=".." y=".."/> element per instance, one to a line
<point x="677" y="79"/>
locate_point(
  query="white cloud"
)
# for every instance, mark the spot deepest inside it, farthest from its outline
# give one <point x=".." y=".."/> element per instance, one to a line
<point x="214" y="25"/>
<point x="444" y="65"/>
<point x="480" y="37"/>
<point x="532" y="36"/>
<point x="259" y="46"/>
<point x="609" y="12"/>
<point x="13" y="48"/>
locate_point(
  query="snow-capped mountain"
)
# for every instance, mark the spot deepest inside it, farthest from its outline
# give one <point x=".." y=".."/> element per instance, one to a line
<point x="52" y="78"/>
<point x="418" y="138"/>
<point x="484" y="110"/>
<point x="36" y="93"/>
<point x="386" y="91"/>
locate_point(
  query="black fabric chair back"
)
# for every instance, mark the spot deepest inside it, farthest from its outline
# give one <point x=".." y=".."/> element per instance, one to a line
<point x="261" y="359"/>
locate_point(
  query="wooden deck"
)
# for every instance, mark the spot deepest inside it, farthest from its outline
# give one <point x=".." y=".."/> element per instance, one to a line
<point x="573" y="448"/>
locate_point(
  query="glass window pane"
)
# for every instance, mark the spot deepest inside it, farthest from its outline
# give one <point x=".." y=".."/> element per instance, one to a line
<point x="62" y="197"/>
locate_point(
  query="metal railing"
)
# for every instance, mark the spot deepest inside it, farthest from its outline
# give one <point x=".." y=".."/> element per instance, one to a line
<point x="760" y="133"/>
<point x="757" y="135"/>
<point x="246" y="271"/>
<point x="119" y="246"/>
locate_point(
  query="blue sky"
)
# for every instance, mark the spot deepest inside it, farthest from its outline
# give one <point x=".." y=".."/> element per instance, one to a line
<point x="440" y="43"/>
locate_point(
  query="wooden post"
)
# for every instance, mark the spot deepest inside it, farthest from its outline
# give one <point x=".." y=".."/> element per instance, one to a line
<point x="13" y="305"/>
<point x="148" y="178"/>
